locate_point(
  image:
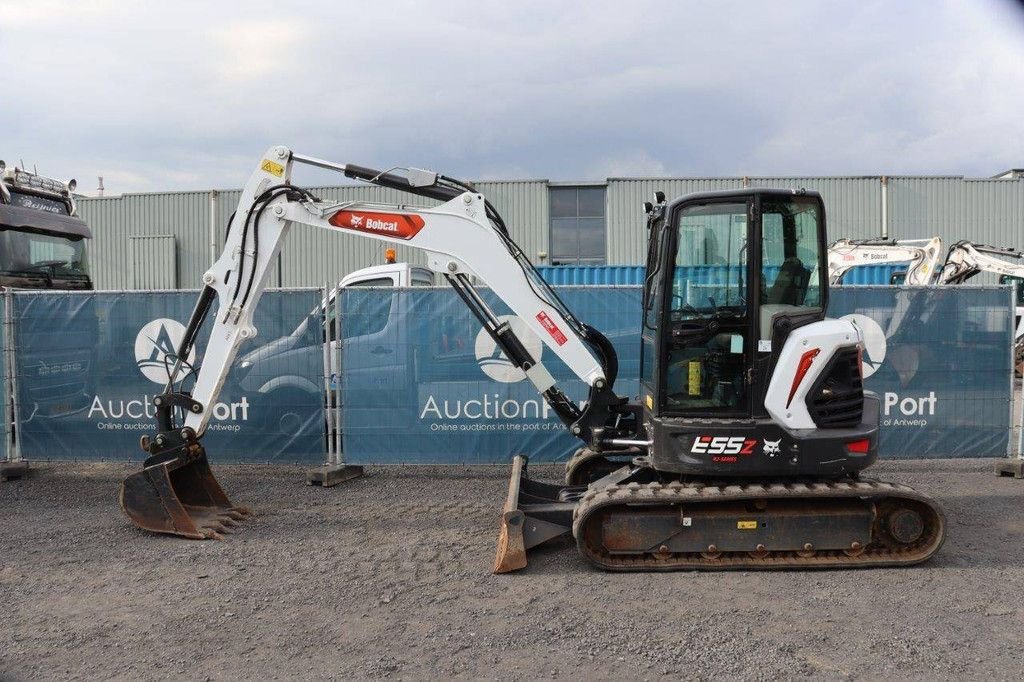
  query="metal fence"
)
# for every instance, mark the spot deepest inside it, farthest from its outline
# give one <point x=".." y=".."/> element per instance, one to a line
<point x="407" y="376"/>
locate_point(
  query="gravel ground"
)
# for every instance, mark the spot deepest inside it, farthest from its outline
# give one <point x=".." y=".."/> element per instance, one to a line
<point x="389" y="576"/>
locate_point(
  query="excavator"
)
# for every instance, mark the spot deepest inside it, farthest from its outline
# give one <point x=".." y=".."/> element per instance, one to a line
<point x="921" y="255"/>
<point x="965" y="259"/>
<point x="744" y="450"/>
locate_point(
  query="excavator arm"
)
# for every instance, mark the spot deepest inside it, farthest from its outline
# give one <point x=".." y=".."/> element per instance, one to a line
<point x="921" y="254"/>
<point x="966" y="259"/>
<point x="464" y="239"/>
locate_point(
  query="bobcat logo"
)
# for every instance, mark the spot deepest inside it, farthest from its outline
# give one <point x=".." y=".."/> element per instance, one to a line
<point x="356" y="220"/>
<point x="771" y="447"/>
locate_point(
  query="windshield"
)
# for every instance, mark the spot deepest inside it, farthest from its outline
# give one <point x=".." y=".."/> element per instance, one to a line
<point x="33" y="253"/>
<point x="710" y="275"/>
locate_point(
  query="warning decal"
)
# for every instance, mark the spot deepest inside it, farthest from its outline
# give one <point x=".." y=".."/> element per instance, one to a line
<point x="273" y="168"/>
<point x="551" y="328"/>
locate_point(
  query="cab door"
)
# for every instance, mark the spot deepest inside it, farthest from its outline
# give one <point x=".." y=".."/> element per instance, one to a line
<point x="707" y="335"/>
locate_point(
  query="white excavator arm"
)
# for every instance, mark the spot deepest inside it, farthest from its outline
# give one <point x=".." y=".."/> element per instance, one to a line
<point x="967" y="259"/>
<point x="921" y="254"/>
<point x="463" y="238"/>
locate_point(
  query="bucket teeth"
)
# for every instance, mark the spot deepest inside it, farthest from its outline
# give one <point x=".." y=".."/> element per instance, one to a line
<point x="180" y="497"/>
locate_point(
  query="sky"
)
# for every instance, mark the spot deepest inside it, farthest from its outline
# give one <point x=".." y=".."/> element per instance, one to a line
<point x="161" y="96"/>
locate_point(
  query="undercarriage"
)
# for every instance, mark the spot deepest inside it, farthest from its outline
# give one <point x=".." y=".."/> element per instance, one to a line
<point x="635" y="519"/>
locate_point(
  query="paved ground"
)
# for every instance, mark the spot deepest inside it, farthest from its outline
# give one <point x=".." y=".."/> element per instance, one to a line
<point x="389" y="576"/>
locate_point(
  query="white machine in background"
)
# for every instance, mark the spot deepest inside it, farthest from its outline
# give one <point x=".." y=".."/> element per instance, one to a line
<point x="967" y="259"/>
<point x="922" y="256"/>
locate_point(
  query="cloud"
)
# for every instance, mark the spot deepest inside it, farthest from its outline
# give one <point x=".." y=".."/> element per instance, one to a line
<point x="253" y="49"/>
<point x="187" y="95"/>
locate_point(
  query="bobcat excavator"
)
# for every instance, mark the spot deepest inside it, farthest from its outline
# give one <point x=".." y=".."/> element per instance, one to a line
<point x="921" y="255"/>
<point x="744" y="452"/>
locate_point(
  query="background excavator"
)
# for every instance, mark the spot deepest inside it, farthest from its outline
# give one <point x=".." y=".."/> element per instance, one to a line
<point x="753" y="426"/>
<point x="963" y="261"/>
<point x="920" y="255"/>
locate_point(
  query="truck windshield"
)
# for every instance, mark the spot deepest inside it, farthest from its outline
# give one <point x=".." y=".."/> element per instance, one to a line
<point x="56" y="256"/>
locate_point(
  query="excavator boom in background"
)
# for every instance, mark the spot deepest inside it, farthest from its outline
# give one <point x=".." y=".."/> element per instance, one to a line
<point x="744" y="450"/>
<point x="965" y="260"/>
<point x="920" y="255"/>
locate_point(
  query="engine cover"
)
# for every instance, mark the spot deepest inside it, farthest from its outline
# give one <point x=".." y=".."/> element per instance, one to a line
<point x="760" y="447"/>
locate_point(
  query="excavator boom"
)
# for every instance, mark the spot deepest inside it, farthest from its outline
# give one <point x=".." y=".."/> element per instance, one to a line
<point x="464" y="239"/>
<point x="920" y="255"/>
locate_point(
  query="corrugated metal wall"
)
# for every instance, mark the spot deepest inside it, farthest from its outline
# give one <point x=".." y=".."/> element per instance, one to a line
<point x="986" y="211"/>
<point x="584" y="275"/>
<point x="853" y="206"/>
<point x="310" y="256"/>
<point x="154" y="262"/>
<point x="627" y="233"/>
<point x="115" y="219"/>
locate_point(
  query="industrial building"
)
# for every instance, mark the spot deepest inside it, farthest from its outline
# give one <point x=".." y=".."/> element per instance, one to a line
<point x="170" y="238"/>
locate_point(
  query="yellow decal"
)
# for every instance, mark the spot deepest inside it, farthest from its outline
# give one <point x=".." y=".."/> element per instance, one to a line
<point x="746" y="525"/>
<point x="272" y="168"/>
<point x="650" y="403"/>
<point x="694" y="378"/>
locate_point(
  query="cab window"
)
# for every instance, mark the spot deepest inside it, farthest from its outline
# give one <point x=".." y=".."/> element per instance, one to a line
<point x="370" y="310"/>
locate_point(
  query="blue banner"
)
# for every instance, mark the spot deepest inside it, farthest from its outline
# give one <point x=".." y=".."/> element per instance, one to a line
<point x="940" y="360"/>
<point x="88" y="366"/>
<point x="427" y="385"/>
<point x="422" y="383"/>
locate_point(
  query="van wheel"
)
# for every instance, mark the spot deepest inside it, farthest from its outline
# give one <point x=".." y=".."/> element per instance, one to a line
<point x="283" y="412"/>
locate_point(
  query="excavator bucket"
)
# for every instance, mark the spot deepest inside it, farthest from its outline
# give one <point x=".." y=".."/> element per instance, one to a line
<point x="534" y="512"/>
<point x="179" y="496"/>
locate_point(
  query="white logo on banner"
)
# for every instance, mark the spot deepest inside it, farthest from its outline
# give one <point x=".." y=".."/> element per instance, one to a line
<point x="154" y="342"/>
<point x="874" y="341"/>
<point x="493" y="361"/>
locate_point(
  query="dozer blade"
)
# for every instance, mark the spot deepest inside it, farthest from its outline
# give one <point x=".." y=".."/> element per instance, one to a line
<point x="179" y="496"/>
<point x="534" y="512"/>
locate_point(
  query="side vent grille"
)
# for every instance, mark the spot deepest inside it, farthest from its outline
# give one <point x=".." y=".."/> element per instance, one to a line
<point x="837" y="399"/>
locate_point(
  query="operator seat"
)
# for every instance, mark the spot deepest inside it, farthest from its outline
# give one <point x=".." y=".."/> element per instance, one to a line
<point x="790" y="286"/>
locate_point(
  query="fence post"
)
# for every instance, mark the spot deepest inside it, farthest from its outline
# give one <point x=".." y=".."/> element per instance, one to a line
<point x="1013" y="371"/>
<point x="1013" y="464"/>
<point x="326" y="356"/>
<point x="333" y="471"/>
<point x="339" y="450"/>
<point x="13" y="466"/>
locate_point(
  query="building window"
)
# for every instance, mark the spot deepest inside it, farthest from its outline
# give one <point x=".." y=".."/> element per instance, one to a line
<point x="577" y="225"/>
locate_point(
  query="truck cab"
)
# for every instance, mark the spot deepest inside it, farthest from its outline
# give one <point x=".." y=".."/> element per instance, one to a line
<point x="43" y="246"/>
<point x="42" y="239"/>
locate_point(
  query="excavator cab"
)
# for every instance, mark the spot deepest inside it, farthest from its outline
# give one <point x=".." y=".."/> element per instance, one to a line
<point x="737" y="274"/>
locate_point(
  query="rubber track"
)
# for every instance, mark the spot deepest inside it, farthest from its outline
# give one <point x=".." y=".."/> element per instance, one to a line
<point x="875" y="554"/>
<point x="583" y="455"/>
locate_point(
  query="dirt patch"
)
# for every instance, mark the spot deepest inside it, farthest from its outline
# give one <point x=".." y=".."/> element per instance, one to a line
<point x="389" y="576"/>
